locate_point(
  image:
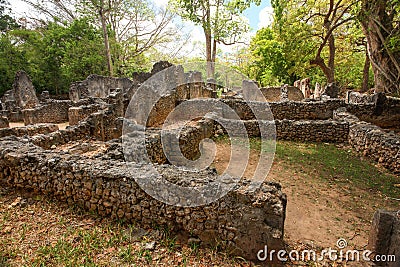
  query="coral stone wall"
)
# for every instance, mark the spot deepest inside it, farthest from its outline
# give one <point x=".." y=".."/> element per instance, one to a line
<point x="77" y="114"/>
<point x="244" y="220"/>
<point x="55" y="111"/>
<point x="290" y="110"/>
<point x="373" y="142"/>
<point x="97" y="86"/>
<point x="304" y="131"/>
<point x="29" y="130"/>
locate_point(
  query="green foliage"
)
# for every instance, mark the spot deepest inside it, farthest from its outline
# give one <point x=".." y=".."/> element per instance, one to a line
<point x="269" y="65"/>
<point x="74" y="52"/>
<point x="12" y="59"/>
<point x="282" y="53"/>
<point x="53" y="56"/>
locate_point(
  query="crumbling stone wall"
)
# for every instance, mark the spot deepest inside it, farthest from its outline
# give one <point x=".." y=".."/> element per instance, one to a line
<point x="82" y="131"/>
<point x="330" y="131"/>
<point x="274" y="94"/>
<point x="55" y="111"/>
<point x="21" y="96"/>
<point x="29" y="130"/>
<point x="97" y="86"/>
<point x="244" y="220"/>
<point x="290" y="110"/>
<point x="77" y="114"/>
<point x="372" y="141"/>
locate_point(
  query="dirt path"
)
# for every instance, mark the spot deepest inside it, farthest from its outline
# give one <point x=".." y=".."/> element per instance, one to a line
<point x="318" y="213"/>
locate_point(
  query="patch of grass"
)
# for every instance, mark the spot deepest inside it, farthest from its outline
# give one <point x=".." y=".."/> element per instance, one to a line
<point x="340" y="166"/>
<point x="127" y="254"/>
<point x="4" y="259"/>
<point x="329" y="163"/>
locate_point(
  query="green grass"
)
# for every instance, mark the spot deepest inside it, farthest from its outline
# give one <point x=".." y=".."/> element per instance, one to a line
<point x="338" y="165"/>
<point x="329" y="163"/>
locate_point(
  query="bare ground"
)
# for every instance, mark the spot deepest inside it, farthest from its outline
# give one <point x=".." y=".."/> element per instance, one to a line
<point x="318" y="213"/>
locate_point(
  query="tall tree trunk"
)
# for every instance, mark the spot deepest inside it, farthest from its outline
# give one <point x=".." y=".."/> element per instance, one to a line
<point x="210" y="73"/>
<point x="377" y="25"/>
<point x="106" y="40"/>
<point x="331" y="62"/>
<point x="213" y="58"/>
<point x="367" y="64"/>
<point x="209" y="42"/>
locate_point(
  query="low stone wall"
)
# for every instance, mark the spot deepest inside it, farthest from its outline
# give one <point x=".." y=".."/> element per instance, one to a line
<point x="384" y="237"/>
<point x="304" y="131"/>
<point x="16" y="116"/>
<point x="244" y="220"/>
<point x="82" y="131"/>
<point x="290" y="110"/>
<point x="373" y="142"/>
<point x="55" y="111"/>
<point x="97" y="86"/>
<point x="29" y="130"/>
<point x="12" y="116"/>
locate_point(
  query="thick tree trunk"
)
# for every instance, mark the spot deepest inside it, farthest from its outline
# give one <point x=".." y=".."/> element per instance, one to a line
<point x="377" y="25"/>
<point x="106" y="42"/>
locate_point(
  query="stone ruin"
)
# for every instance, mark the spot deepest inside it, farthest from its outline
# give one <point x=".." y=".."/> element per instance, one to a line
<point x="65" y="163"/>
<point x="331" y="90"/>
<point x="22" y="96"/>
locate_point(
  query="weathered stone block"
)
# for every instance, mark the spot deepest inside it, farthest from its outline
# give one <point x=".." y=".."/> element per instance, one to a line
<point x="384" y="238"/>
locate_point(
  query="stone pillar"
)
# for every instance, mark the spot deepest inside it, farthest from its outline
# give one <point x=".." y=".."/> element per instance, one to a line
<point x="317" y="91"/>
<point x="23" y="91"/>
